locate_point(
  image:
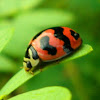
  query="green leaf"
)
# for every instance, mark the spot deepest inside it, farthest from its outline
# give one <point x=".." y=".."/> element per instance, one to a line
<point x="93" y="5"/>
<point x="29" y="24"/>
<point x="5" y="36"/>
<point x="9" y="7"/>
<point x="83" y="50"/>
<point x="48" y="93"/>
<point x="47" y="17"/>
<point x="6" y="32"/>
<point x="22" y="76"/>
<point x="6" y="64"/>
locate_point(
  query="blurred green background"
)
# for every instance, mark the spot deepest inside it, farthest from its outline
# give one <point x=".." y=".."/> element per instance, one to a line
<point x="28" y="17"/>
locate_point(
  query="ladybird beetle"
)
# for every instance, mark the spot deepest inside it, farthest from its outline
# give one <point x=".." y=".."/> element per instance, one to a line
<point x="50" y="45"/>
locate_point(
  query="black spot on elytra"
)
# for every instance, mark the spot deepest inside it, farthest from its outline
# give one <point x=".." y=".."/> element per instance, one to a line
<point x="44" y="44"/>
<point x="59" y="34"/>
<point x="29" y="64"/>
<point x="75" y="35"/>
<point x="38" y="34"/>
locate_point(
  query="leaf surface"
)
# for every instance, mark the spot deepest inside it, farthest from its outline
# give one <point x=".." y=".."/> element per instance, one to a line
<point x="22" y="76"/>
<point x="48" y="93"/>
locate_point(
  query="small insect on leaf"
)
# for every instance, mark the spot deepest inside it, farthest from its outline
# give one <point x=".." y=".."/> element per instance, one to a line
<point x="50" y="45"/>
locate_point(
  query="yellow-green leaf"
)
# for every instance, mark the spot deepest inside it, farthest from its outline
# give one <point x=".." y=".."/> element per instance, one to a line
<point x="22" y="76"/>
<point x="9" y="7"/>
<point x="48" y="93"/>
<point x="5" y="35"/>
